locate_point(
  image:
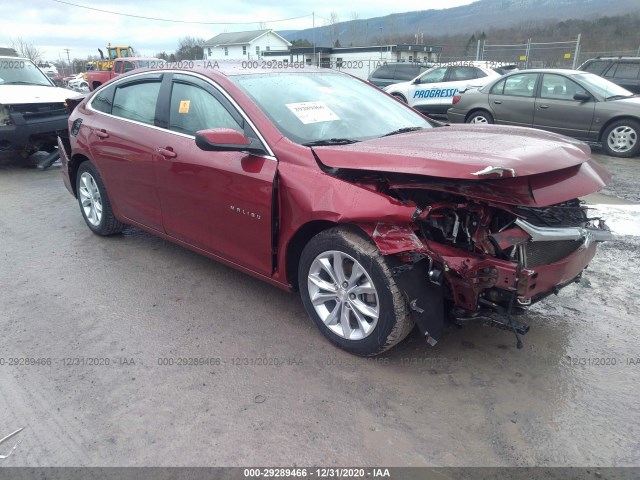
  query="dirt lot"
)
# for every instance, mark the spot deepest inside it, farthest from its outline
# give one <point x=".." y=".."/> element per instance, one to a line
<point x="271" y="390"/>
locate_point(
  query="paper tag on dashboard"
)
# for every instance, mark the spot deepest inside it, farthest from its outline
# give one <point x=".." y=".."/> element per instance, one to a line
<point x="312" y="112"/>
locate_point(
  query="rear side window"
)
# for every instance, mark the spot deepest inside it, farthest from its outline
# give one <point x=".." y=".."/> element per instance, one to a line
<point x="596" y="67"/>
<point x="522" y="85"/>
<point x="386" y="72"/>
<point x="103" y="100"/>
<point x="136" y="101"/>
<point x="407" y="72"/>
<point x="457" y="74"/>
<point x="627" y="70"/>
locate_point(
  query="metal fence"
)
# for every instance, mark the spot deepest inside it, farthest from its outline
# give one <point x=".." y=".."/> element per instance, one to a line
<point x="532" y="54"/>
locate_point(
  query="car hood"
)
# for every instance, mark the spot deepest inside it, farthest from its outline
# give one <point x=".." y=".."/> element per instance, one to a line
<point x="26" y="94"/>
<point x="631" y="102"/>
<point x="460" y="152"/>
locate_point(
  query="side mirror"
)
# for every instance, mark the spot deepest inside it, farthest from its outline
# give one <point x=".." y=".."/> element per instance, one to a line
<point x="226" y="140"/>
<point x="416" y="81"/>
<point x="582" y="97"/>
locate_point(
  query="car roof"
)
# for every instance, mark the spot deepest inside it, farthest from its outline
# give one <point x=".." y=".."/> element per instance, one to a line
<point x="15" y="58"/>
<point x="565" y="71"/>
<point x="232" y="68"/>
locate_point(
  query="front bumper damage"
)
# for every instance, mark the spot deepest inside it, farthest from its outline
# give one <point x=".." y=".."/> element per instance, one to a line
<point x="25" y="129"/>
<point x="480" y="287"/>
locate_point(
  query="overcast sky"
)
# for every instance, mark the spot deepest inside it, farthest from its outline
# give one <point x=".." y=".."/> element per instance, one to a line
<point x="53" y="26"/>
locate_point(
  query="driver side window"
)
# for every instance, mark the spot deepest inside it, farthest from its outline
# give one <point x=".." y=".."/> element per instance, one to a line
<point x="433" y="76"/>
<point x="194" y="109"/>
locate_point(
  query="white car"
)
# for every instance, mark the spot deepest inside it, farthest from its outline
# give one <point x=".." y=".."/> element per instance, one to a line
<point x="32" y="109"/>
<point x="432" y="92"/>
<point x="78" y="81"/>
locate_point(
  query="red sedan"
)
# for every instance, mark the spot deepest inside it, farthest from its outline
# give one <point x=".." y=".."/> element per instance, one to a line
<point x="316" y="181"/>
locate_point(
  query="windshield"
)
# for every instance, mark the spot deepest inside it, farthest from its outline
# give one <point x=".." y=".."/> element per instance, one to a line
<point x="21" y="72"/>
<point x="601" y="86"/>
<point x="315" y="107"/>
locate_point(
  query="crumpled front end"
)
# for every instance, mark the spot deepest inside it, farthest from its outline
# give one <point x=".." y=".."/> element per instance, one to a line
<point x="490" y="260"/>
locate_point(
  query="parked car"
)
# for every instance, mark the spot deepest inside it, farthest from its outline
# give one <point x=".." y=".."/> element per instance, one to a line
<point x="391" y="73"/>
<point x="95" y="78"/>
<point x="78" y="81"/>
<point x="623" y="71"/>
<point x="314" y="180"/>
<point x="432" y="92"/>
<point x="577" y="104"/>
<point x="32" y="109"/>
<point x="56" y="78"/>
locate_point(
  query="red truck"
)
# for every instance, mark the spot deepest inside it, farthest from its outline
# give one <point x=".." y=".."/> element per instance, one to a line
<point x="95" y="78"/>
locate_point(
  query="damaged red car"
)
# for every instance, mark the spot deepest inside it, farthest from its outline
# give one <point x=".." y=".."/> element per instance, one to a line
<point x="315" y="181"/>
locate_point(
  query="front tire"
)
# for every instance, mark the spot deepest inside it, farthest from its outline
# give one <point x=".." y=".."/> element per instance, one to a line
<point x="400" y="97"/>
<point x="94" y="201"/>
<point x="620" y="139"/>
<point x="347" y="289"/>
<point x="480" y="116"/>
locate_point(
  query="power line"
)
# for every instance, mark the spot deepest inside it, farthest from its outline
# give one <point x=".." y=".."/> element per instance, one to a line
<point x="177" y="21"/>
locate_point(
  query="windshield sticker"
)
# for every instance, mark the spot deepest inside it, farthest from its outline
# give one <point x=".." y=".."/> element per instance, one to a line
<point x="184" y="106"/>
<point x="312" y="112"/>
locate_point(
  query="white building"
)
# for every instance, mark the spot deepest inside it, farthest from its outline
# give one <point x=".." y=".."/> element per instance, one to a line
<point x="358" y="61"/>
<point x="249" y="45"/>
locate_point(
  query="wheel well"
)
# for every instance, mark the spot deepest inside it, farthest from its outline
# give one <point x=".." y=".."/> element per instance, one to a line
<point x="74" y="165"/>
<point x="297" y="244"/>
<point x="399" y="96"/>
<point x="475" y="110"/>
<point x="96" y="85"/>
<point x="615" y="119"/>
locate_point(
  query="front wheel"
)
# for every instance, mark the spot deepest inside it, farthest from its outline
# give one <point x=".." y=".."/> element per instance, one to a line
<point x="400" y="97"/>
<point x="94" y="202"/>
<point x="480" y="116"/>
<point x="347" y="289"/>
<point x="620" y="139"/>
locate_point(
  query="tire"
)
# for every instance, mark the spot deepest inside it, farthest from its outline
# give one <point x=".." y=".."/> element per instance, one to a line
<point x="399" y="97"/>
<point x="365" y="315"/>
<point x="94" y="202"/>
<point x="622" y="138"/>
<point x="84" y="85"/>
<point x="480" y="116"/>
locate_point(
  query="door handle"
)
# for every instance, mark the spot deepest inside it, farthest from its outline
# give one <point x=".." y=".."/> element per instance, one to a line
<point x="497" y="102"/>
<point x="102" y="134"/>
<point x="167" y="152"/>
<point x="544" y="106"/>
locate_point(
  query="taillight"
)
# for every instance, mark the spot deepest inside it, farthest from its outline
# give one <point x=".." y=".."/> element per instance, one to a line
<point x="456" y="99"/>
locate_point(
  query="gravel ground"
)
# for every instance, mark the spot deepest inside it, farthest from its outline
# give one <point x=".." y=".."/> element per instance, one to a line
<point x="272" y="391"/>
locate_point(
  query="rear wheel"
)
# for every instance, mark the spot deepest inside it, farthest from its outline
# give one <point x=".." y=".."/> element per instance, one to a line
<point x="480" y="116"/>
<point x="620" y="139"/>
<point x="347" y="289"/>
<point x="94" y="201"/>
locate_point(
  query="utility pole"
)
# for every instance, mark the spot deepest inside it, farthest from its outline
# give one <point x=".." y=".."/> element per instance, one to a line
<point x="69" y="59"/>
<point x="313" y="36"/>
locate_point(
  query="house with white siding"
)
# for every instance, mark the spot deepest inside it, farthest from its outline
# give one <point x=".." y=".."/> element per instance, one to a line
<point x="249" y="45"/>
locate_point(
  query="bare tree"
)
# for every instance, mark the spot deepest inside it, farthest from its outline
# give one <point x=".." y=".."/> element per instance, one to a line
<point x="190" y="48"/>
<point x="334" y="20"/>
<point x="26" y="49"/>
<point x="354" y="30"/>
